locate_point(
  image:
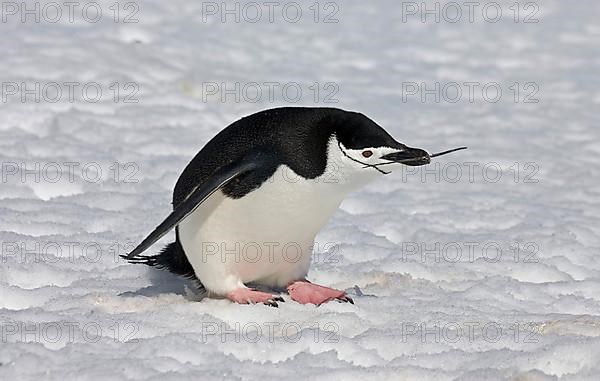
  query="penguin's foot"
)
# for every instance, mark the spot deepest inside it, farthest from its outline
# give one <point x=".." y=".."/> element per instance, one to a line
<point x="251" y="296"/>
<point x="305" y="292"/>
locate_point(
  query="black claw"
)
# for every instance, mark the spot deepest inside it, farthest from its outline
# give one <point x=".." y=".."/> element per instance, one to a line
<point x="271" y="303"/>
<point x="279" y="299"/>
<point x="345" y="299"/>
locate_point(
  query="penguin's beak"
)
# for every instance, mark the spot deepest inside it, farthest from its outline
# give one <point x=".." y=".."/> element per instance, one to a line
<point x="409" y="156"/>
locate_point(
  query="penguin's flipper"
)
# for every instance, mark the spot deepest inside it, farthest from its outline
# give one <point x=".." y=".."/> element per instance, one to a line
<point x="217" y="180"/>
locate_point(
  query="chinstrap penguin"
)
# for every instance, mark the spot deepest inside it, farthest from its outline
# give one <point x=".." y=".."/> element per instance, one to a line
<point x="248" y="206"/>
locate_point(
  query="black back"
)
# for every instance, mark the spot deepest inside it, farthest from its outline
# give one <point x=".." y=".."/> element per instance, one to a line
<point x="295" y="136"/>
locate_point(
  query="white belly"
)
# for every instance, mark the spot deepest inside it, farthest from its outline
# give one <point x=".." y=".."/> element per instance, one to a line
<point x="265" y="237"/>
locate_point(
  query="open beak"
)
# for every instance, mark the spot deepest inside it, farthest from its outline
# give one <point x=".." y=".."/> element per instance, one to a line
<point x="410" y="156"/>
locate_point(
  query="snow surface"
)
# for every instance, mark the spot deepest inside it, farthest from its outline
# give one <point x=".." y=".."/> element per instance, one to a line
<point x="70" y="310"/>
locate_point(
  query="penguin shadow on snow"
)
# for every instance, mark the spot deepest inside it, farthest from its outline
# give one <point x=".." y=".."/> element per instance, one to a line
<point x="164" y="282"/>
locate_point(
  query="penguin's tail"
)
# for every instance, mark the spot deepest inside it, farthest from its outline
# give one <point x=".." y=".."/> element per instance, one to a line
<point x="171" y="258"/>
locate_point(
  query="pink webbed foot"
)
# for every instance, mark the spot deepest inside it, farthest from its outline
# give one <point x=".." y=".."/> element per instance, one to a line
<point x="305" y="292"/>
<point x="250" y="296"/>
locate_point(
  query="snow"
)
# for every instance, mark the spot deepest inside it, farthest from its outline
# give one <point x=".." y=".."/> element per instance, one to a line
<point x="459" y="276"/>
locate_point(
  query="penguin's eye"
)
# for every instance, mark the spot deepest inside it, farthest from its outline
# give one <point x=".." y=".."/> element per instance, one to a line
<point x="367" y="153"/>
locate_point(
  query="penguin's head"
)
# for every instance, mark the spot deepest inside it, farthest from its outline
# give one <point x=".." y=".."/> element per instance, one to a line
<point x="364" y="147"/>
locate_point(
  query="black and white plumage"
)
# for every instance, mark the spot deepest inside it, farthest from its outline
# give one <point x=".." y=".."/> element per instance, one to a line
<point x="267" y="183"/>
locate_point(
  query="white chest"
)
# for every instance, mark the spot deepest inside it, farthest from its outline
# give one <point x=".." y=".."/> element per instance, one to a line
<point x="265" y="236"/>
